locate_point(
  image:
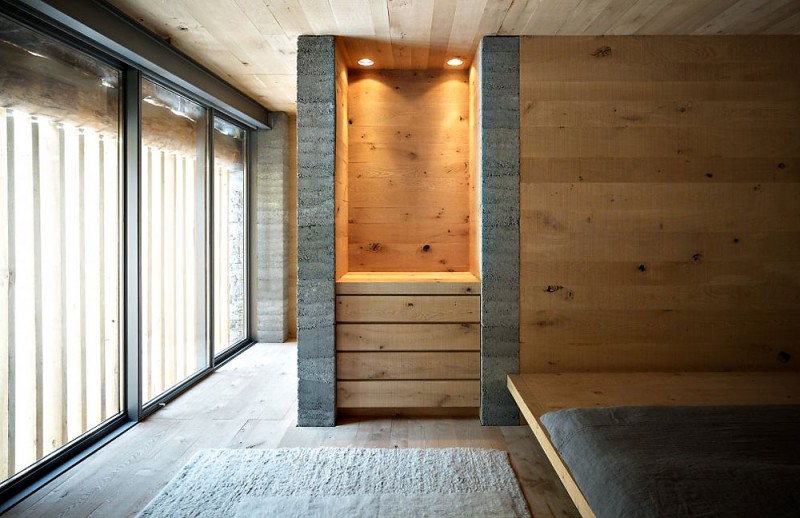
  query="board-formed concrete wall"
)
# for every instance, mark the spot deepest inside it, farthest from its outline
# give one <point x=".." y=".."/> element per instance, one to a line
<point x="498" y="76"/>
<point x="316" y="136"/>
<point x="271" y="254"/>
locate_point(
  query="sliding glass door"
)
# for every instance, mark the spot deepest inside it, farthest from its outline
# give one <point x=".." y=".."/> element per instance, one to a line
<point x="60" y="245"/>
<point x="230" y="232"/>
<point x="71" y="251"/>
<point x="173" y="239"/>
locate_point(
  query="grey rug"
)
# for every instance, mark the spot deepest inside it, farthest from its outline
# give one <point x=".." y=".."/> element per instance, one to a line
<point x="369" y="482"/>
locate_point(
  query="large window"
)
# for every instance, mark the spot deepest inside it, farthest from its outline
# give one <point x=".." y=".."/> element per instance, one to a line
<point x="75" y="260"/>
<point x="229" y="235"/>
<point x="60" y="228"/>
<point x="173" y="236"/>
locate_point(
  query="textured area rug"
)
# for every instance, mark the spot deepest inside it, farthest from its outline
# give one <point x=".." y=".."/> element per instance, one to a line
<point x="301" y="482"/>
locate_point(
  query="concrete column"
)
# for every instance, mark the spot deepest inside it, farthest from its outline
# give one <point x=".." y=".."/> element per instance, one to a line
<point x="498" y="72"/>
<point x="270" y="244"/>
<point x="316" y="142"/>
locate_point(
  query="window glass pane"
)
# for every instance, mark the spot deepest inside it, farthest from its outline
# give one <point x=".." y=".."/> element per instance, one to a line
<point x="173" y="236"/>
<point x="59" y="245"/>
<point x="229" y="235"/>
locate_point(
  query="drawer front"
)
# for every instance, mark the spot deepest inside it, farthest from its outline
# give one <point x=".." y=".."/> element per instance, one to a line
<point x="408" y="394"/>
<point x="408" y="337"/>
<point x="407" y="365"/>
<point x="408" y="308"/>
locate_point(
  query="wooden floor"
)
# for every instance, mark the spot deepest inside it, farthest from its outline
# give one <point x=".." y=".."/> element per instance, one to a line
<point x="251" y="403"/>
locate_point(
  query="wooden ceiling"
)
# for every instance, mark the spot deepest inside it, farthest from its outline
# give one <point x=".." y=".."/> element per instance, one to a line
<point x="252" y="43"/>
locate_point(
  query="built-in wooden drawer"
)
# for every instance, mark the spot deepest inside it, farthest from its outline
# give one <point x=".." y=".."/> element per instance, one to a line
<point x="408" y="394"/>
<point x="408" y="308"/>
<point x="407" y="365"/>
<point x="408" y="337"/>
<point x="408" y="342"/>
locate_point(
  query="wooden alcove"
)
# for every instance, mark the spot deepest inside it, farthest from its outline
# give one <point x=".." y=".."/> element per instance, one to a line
<point x="407" y="241"/>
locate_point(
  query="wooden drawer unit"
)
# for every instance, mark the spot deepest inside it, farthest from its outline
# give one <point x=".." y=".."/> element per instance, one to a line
<point x="408" y="345"/>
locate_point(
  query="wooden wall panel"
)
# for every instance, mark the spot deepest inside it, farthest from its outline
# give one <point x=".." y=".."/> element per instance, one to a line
<point x="660" y="222"/>
<point x="341" y="166"/>
<point x="408" y="308"/>
<point x="408" y="365"/>
<point x="408" y="337"/>
<point x="408" y="394"/>
<point x="408" y="186"/>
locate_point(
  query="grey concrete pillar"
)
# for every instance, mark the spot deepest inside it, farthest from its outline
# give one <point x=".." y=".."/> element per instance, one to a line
<point x="498" y="72"/>
<point x="270" y="244"/>
<point x="316" y="143"/>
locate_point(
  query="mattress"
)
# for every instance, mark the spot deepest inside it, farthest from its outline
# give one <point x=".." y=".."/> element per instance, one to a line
<point x="675" y="461"/>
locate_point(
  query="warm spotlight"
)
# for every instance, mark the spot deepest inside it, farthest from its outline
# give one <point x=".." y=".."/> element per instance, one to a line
<point x="366" y="62"/>
<point x="454" y="62"/>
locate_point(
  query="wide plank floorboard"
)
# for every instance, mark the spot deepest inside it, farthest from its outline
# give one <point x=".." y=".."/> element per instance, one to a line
<point x="251" y="402"/>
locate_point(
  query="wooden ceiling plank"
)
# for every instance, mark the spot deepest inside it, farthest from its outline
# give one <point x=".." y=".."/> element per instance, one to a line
<point x="747" y="16"/>
<point x="171" y="21"/>
<point x="410" y="27"/>
<point x="353" y="17"/>
<point x="676" y="13"/>
<point x="694" y="21"/>
<point x="582" y="21"/>
<point x="493" y="16"/>
<point x="789" y="25"/>
<point x="444" y="13"/>
<point x="252" y="43"/>
<point x="290" y="16"/>
<point x="260" y="16"/>
<point x="614" y="11"/>
<point x="518" y="16"/>
<point x="229" y="25"/>
<point x="383" y="33"/>
<point x="630" y="21"/>
<point x="463" y="34"/>
<point x="550" y="16"/>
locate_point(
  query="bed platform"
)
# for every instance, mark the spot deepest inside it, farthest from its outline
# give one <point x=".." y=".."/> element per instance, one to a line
<point x="540" y="394"/>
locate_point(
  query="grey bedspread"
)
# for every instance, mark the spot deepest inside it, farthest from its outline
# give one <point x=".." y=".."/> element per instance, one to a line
<point x="683" y="461"/>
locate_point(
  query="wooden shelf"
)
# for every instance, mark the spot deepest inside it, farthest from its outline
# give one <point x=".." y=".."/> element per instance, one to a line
<point x="408" y="283"/>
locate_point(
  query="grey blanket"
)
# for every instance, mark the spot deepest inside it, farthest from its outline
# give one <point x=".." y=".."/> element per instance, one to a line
<point x="683" y="461"/>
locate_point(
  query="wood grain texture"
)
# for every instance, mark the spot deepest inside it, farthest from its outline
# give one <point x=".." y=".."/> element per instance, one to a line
<point x="532" y="410"/>
<point x="659" y="222"/>
<point x="407" y="394"/>
<point x="408" y="185"/>
<point x="450" y="365"/>
<point x="252" y="43"/>
<point x="408" y="283"/>
<point x="549" y="392"/>
<point x="408" y="337"/>
<point x="474" y="172"/>
<point x="341" y="164"/>
<point x="407" y="308"/>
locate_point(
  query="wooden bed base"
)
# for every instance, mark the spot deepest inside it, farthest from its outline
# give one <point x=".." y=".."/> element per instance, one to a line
<point x="537" y="394"/>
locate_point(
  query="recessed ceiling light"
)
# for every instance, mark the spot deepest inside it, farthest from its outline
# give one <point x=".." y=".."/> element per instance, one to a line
<point x="454" y="62"/>
<point x="366" y="62"/>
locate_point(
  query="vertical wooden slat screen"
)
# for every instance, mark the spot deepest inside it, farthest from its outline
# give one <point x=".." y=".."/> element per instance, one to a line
<point x="112" y="229"/>
<point x="50" y="301"/>
<point x="6" y="293"/>
<point x="222" y="254"/>
<point x="59" y="284"/>
<point x="172" y="254"/>
<point x="24" y="365"/>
